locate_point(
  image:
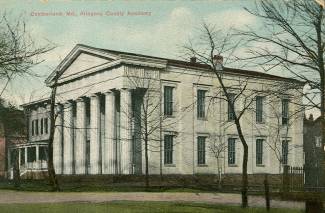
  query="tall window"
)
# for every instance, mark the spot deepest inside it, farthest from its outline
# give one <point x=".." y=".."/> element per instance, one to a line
<point x="33" y="128"/>
<point x="43" y="153"/>
<point x="231" y="114"/>
<point x="42" y="126"/>
<point x="36" y="127"/>
<point x="231" y="151"/>
<point x="285" y="111"/>
<point x="259" y="151"/>
<point x="46" y="124"/>
<point x="201" y="150"/>
<point x="259" y="109"/>
<point x="201" y="103"/>
<point x="31" y="154"/>
<point x="168" y="100"/>
<point x="168" y="149"/>
<point x="285" y="152"/>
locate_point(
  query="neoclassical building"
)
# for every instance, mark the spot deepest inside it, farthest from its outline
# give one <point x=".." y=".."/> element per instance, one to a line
<point x="111" y="106"/>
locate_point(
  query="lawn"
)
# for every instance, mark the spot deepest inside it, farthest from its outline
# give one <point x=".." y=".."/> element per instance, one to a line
<point x="132" y="207"/>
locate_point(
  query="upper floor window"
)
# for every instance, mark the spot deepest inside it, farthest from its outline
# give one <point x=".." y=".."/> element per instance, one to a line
<point x="285" y="111"/>
<point x="201" y="103"/>
<point x="231" y="151"/>
<point x="259" y="109"/>
<point x="42" y="126"/>
<point x="36" y="127"/>
<point x="46" y="125"/>
<point x="259" y="151"/>
<point x="285" y="152"/>
<point x="168" y="149"/>
<point x="33" y="127"/>
<point x="201" y="150"/>
<point x="231" y="101"/>
<point x="168" y="100"/>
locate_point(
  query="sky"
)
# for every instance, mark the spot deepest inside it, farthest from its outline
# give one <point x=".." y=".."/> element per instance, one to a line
<point x="164" y="28"/>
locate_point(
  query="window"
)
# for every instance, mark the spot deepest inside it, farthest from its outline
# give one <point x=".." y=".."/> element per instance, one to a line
<point x="285" y="111"/>
<point x="168" y="100"/>
<point x="46" y="125"/>
<point x="259" y="109"/>
<point x="259" y="151"/>
<point x="201" y="150"/>
<point x="42" y="126"/>
<point x="231" y="151"/>
<point x="43" y="153"/>
<point x="31" y="154"/>
<point x="201" y="103"/>
<point x="33" y="128"/>
<point x="36" y="127"/>
<point x="22" y="156"/>
<point x="231" y="114"/>
<point x="285" y="151"/>
<point x="168" y="149"/>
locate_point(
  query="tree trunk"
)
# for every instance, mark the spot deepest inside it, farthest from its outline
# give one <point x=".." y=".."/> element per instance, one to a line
<point x="51" y="171"/>
<point x="16" y="171"/>
<point x="146" y="161"/>
<point x="244" y="166"/>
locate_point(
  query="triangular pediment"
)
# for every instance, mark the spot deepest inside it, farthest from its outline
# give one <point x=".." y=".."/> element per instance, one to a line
<point x="80" y="61"/>
<point x="83" y="62"/>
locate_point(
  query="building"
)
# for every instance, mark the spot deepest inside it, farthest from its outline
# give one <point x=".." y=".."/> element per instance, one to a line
<point x="12" y="135"/>
<point x="101" y="96"/>
<point x="313" y="151"/>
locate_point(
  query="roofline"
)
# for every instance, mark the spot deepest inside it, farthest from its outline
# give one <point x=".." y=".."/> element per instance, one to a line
<point x="43" y="100"/>
<point x="181" y="63"/>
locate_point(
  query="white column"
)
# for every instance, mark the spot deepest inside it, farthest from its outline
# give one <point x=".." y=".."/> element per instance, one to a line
<point x="80" y="143"/>
<point x="126" y="132"/>
<point x="67" y="138"/>
<point x="37" y="157"/>
<point x="94" y="134"/>
<point x="26" y="166"/>
<point x="57" y="141"/>
<point x="19" y="157"/>
<point x="110" y="141"/>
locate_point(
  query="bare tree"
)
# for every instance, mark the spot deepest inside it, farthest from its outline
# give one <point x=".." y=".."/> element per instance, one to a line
<point x="217" y="147"/>
<point x="147" y="117"/>
<point x="18" y="50"/>
<point x="51" y="170"/>
<point x="208" y="48"/>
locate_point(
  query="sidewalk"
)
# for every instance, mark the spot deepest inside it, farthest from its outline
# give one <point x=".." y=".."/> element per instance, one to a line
<point x="9" y="197"/>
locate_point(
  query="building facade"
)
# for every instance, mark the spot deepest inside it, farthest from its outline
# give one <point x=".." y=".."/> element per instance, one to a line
<point x="112" y="106"/>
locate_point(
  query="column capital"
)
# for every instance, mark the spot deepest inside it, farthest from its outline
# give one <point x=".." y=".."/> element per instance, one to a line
<point x="80" y="99"/>
<point x="109" y="92"/>
<point x="93" y="95"/>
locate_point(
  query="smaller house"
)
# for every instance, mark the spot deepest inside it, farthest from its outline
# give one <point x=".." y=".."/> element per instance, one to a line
<point x="313" y="151"/>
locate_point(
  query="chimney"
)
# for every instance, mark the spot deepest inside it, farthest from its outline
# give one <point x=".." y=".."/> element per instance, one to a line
<point x="311" y="117"/>
<point x="193" y="60"/>
<point x="218" y="61"/>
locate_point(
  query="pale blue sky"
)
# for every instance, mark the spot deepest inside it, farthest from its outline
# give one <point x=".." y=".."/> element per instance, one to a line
<point x="170" y="25"/>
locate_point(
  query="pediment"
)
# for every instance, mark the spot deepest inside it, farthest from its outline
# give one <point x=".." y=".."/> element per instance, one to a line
<point x="83" y="62"/>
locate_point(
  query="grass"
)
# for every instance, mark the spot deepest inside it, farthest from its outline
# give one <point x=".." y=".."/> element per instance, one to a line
<point x="133" y="207"/>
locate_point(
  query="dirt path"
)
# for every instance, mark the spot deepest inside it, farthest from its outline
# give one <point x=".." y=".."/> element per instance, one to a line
<point x="7" y="197"/>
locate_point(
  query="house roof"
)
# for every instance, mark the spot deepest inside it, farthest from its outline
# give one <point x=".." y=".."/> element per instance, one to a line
<point x="181" y="63"/>
<point x="172" y="62"/>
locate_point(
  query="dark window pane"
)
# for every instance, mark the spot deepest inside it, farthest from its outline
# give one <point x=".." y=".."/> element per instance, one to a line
<point x="259" y="151"/>
<point x="168" y="149"/>
<point x="231" y="151"/>
<point x="46" y="126"/>
<point x="168" y="100"/>
<point x="231" y="114"/>
<point x="42" y="126"/>
<point x="201" y="103"/>
<point x="201" y="149"/>
<point x="259" y="109"/>
<point x="285" y="111"/>
<point x="43" y="153"/>
<point x="36" y="127"/>
<point x="31" y="154"/>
